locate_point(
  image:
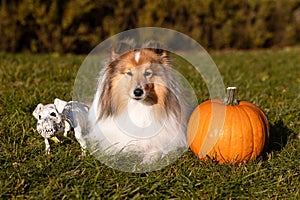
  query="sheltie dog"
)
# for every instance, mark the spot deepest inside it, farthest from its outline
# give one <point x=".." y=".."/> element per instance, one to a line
<point x="139" y="105"/>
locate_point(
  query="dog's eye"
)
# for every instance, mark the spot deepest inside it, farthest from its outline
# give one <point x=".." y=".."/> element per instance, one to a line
<point x="40" y="117"/>
<point x="53" y="114"/>
<point x="129" y="73"/>
<point x="147" y="73"/>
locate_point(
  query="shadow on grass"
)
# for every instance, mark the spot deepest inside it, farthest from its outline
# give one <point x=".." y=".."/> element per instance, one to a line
<point x="279" y="134"/>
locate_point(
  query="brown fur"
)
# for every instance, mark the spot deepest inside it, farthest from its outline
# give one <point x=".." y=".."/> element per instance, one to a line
<point x="114" y="95"/>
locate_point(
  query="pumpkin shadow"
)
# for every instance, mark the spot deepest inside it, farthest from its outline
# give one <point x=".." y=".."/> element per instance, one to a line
<point x="279" y="134"/>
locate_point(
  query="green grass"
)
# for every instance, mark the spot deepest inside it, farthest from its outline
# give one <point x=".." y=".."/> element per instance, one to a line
<point x="267" y="78"/>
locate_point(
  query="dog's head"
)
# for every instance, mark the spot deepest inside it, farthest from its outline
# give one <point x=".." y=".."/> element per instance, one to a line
<point x="50" y="121"/>
<point x="135" y="74"/>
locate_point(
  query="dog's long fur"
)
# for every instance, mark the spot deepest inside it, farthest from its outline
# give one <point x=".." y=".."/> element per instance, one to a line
<point x="138" y="105"/>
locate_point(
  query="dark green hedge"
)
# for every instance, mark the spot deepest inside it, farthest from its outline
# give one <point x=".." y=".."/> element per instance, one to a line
<point x="77" y="26"/>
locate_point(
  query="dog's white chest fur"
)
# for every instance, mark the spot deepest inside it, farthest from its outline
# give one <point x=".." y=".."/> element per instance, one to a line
<point x="139" y="114"/>
<point x="137" y="129"/>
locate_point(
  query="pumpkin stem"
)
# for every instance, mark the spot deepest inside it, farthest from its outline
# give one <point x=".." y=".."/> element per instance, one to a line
<point x="231" y="96"/>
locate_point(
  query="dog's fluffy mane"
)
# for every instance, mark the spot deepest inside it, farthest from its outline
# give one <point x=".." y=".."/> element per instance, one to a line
<point x="152" y="125"/>
<point x="166" y="96"/>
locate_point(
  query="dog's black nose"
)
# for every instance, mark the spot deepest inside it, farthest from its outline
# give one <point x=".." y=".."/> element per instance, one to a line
<point x="138" y="92"/>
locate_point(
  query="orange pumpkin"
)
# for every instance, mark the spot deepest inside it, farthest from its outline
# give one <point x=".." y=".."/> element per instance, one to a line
<point x="227" y="130"/>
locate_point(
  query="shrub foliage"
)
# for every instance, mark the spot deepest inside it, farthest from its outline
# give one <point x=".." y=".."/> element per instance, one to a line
<point x="77" y="26"/>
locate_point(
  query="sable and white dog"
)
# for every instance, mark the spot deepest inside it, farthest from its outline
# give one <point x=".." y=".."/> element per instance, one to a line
<point x="62" y="117"/>
<point x="138" y="105"/>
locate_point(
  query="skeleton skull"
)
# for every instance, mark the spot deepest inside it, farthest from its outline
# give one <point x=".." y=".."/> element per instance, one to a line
<point x="50" y="122"/>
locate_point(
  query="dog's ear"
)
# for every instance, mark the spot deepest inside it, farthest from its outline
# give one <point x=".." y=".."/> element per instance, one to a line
<point x="60" y="104"/>
<point x="121" y="48"/>
<point x="165" y="57"/>
<point x="158" y="49"/>
<point x="37" y="110"/>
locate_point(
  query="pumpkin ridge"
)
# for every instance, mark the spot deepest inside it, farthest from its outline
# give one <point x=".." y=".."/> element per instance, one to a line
<point x="259" y="129"/>
<point x="241" y="127"/>
<point x="198" y="125"/>
<point x="266" y="128"/>
<point x="208" y="119"/>
<point x="232" y="128"/>
<point x="193" y="126"/>
<point x="194" y="139"/>
<point x="242" y="108"/>
<point x="220" y="150"/>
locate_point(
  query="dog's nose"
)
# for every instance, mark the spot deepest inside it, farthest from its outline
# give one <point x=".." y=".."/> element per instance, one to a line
<point x="138" y="92"/>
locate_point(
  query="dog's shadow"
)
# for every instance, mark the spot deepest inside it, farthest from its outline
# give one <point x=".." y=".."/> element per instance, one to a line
<point x="279" y="135"/>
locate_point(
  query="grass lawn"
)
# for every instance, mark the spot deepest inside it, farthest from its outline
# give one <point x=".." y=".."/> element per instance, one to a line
<point x="268" y="78"/>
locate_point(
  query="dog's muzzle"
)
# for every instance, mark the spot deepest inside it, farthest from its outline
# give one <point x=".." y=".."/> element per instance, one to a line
<point x="138" y="93"/>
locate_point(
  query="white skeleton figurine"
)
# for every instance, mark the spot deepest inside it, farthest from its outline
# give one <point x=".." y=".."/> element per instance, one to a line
<point x="61" y="117"/>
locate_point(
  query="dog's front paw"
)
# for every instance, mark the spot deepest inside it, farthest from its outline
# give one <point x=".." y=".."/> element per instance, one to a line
<point x="150" y="158"/>
<point x="83" y="154"/>
<point x="47" y="151"/>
